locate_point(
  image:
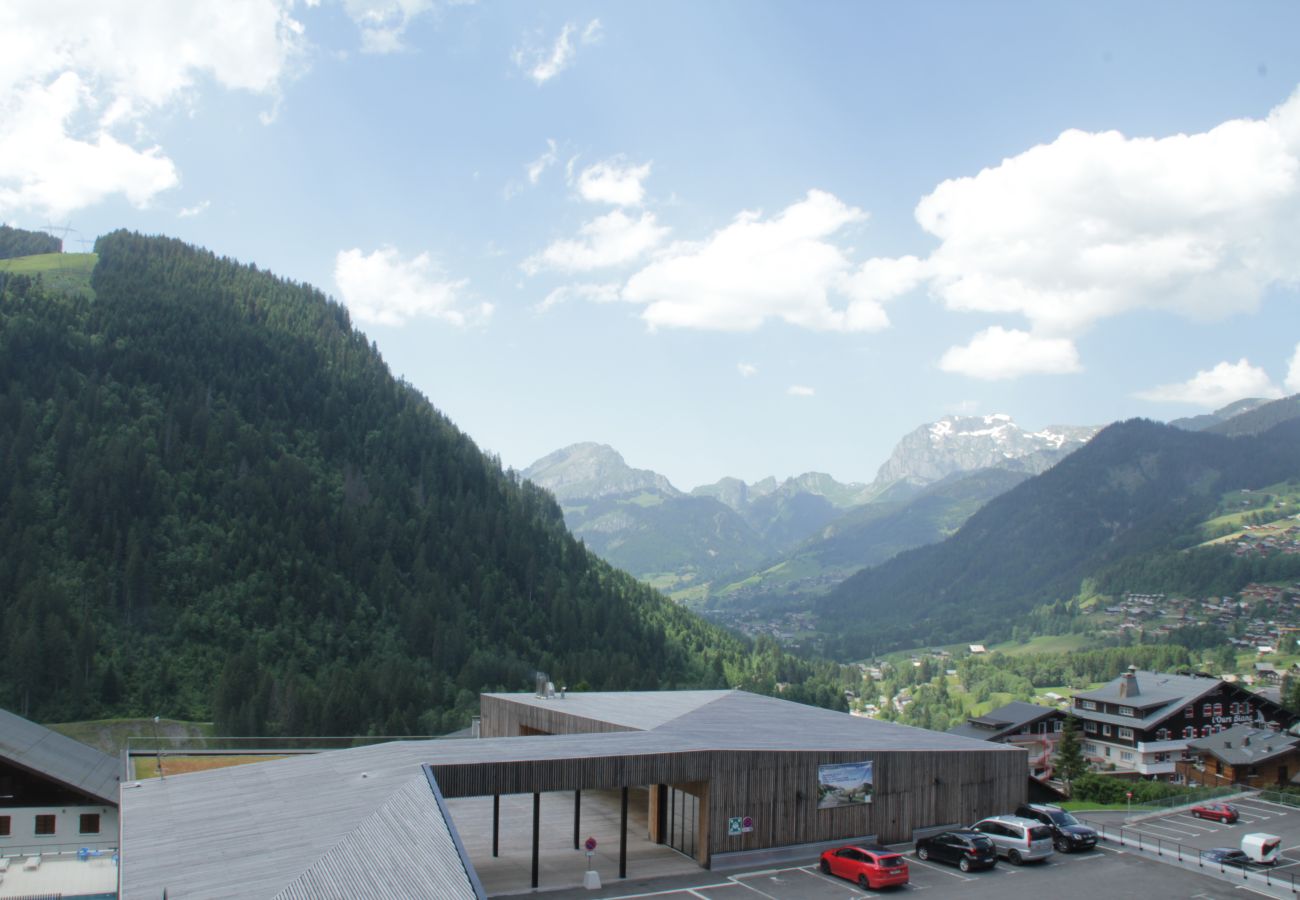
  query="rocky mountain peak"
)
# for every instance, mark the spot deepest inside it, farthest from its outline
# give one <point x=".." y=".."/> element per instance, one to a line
<point x="591" y="470"/>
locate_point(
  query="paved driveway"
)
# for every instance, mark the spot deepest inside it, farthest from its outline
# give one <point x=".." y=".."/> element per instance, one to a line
<point x="1182" y="829"/>
<point x="1103" y="872"/>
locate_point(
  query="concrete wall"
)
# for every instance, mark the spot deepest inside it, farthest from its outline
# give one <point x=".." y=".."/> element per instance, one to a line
<point x="23" y="840"/>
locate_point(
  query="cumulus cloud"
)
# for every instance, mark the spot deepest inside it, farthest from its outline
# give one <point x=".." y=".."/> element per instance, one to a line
<point x="613" y="181"/>
<point x="746" y="370"/>
<point x="755" y="269"/>
<point x="595" y="293"/>
<point x="77" y="82"/>
<point x="542" y="63"/>
<point x="997" y="353"/>
<point x="610" y="240"/>
<point x="1292" y="382"/>
<point x="383" y="287"/>
<point x="800" y="390"/>
<point x="1095" y="225"/>
<point x="383" y="22"/>
<point x="1214" y="388"/>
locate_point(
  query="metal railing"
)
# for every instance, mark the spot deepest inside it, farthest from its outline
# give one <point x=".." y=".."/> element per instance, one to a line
<point x="1188" y="857"/>
<point x="48" y="851"/>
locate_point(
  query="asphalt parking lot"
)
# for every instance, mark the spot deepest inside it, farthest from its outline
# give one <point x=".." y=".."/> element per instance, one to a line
<point x="1102" y="872"/>
<point x="1182" y="828"/>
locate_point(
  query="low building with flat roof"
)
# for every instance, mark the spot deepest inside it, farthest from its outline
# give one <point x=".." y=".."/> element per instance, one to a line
<point x="722" y="774"/>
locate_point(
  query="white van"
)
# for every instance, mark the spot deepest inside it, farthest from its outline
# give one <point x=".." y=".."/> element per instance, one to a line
<point x="1261" y="848"/>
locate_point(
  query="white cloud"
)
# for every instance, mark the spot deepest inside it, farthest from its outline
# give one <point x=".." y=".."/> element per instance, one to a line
<point x="1214" y="388"/>
<point x="77" y="82"/>
<point x="610" y="240"/>
<point x="383" y="287"/>
<point x="541" y="64"/>
<point x="1292" y="382"/>
<point x="614" y="181"/>
<point x="746" y="370"/>
<point x="197" y="209"/>
<point x="800" y="390"/>
<point x="383" y="22"/>
<point x="542" y="163"/>
<point x="997" y="353"/>
<point x="595" y="293"/>
<point x="1096" y="225"/>
<point x="757" y="269"/>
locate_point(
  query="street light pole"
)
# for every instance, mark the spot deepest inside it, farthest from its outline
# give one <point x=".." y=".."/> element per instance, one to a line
<point x="157" y="747"/>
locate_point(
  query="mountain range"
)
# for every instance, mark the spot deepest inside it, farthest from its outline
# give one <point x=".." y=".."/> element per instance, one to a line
<point x="733" y="543"/>
<point x="1129" y="500"/>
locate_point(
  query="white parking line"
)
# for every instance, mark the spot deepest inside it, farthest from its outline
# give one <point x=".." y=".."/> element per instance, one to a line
<point x="937" y="868"/>
<point x="1152" y="826"/>
<point x="1285" y="806"/>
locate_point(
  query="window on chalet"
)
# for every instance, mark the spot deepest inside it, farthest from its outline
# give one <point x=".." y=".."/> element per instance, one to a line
<point x="1207" y="710"/>
<point x="1189" y="731"/>
<point x="1234" y="708"/>
<point x="1218" y="709"/>
<point x="1088" y="704"/>
<point x="1207" y="730"/>
<point x="1126" y="755"/>
<point x="45" y="824"/>
<point x="1126" y="734"/>
<point x="1189" y="711"/>
<point x="1126" y="710"/>
<point x="1058" y="726"/>
<point x="4" y="826"/>
<point x="90" y="823"/>
<point x="1090" y="727"/>
<point x="1089" y="748"/>
<point x="1105" y="730"/>
<point x="1162" y="757"/>
<point x="1162" y="734"/>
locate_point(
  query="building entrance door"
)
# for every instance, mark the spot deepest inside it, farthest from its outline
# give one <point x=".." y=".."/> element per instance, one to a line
<point x="683" y="821"/>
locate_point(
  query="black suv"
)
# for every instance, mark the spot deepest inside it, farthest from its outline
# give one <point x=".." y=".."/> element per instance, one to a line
<point x="1067" y="833"/>
<point x="963" y="848"/>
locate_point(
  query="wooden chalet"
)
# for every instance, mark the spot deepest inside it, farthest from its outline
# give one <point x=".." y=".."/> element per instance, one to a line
<point x="1244" y="755"/>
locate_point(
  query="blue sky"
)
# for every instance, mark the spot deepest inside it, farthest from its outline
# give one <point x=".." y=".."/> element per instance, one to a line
<point x="741" y="238"/>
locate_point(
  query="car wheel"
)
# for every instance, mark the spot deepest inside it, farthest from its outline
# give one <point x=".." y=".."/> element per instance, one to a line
<point x="1196" y="814"/>
<point x="863" y="883"/>
<point x="826" y="867"/>
<point x="1061" y="846"/>
<point x="1014" y="857"/>
<point x="964" y="864"/>
<point x="922" y="852"/>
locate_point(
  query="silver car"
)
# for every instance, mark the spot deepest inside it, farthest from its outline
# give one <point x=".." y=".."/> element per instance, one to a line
<point x="1018" y="839"/>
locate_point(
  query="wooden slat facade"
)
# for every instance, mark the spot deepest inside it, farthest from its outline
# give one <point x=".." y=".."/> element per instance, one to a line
<point x="776" y="788"/>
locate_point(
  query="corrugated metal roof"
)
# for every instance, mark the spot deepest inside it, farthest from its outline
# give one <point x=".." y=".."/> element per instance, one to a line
<point x="71" y="763"/>
<point x="998" y="722"/>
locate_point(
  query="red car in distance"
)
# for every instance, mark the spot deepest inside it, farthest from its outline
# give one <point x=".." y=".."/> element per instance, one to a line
<point x="870" y="867"/>
<point x="1222" y="812"/>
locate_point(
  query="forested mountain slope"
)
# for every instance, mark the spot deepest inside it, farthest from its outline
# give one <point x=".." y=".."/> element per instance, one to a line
<point x="1137" y="490"/>
<point x="215" y="500"/>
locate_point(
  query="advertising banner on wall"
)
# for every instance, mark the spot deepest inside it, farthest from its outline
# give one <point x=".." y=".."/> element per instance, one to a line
<point x="844" y="784"/>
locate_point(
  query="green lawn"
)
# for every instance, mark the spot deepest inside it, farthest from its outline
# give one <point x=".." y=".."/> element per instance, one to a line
<point x="63" y="272"/>
<point x="1047" y="643"/>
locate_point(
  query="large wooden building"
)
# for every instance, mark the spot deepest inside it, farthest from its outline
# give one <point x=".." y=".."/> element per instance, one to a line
<point x="1141" y="722"/>
<point x="724" y="773"/>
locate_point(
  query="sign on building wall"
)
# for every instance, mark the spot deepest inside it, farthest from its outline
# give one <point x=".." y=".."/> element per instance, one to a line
<point x="738" y="825"/>
<point x="844" y="784"/>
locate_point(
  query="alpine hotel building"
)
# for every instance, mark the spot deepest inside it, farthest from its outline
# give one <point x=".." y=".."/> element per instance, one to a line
<point x="1141" y="722"/>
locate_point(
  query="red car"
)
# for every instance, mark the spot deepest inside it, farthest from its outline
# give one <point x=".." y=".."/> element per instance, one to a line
<point x="870" y="867"/>
<point x="1222" y="812"/>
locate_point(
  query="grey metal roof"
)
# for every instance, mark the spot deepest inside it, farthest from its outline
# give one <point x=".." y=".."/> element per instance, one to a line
<point x="294" y="827"/>
<point x="1245" y="745"/>
<point x="1002" y="721"/>
<point x="1155" y="689"/>
<point x="59" y="758"/>
<point x="640" y="710"/>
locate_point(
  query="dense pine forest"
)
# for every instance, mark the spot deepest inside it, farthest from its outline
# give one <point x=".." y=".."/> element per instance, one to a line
<point x="217" y="502"/>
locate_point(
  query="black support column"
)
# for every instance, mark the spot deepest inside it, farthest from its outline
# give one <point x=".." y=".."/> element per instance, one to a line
<point x="537" y="821"/>
<point x="577" y="816"/>
<point x="496" y="822"/>
<point x="622" y="839"/>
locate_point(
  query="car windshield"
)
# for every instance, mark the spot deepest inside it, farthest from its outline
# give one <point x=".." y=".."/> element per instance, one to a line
<point x="1063" y="818"/>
